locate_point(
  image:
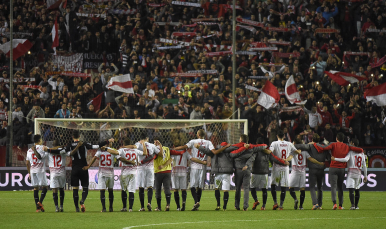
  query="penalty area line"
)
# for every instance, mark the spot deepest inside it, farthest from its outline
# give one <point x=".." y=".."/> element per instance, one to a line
<point x="257" y="220"/>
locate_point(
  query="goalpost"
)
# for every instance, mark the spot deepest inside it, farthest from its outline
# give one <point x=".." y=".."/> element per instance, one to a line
<point x="170" y="132"/>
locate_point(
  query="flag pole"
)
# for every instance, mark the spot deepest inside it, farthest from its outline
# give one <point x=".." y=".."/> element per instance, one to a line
<point x="10" y="124"/>
<point x="234" y="59"/>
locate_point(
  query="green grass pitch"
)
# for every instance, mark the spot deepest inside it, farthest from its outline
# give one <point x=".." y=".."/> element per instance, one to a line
<point x="18" y="211"/>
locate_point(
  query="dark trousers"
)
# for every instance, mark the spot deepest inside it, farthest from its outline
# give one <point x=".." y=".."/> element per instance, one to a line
<point x="162" y="179"/>
<point x="316" y="177"/>
<point x="242" y="178"/>
<point x="336" y="178"/>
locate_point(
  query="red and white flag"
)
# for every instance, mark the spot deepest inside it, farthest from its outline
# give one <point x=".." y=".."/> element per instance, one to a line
<point x="291" y="92"/>
<point x="55" y="36"/>
<point x="20" y="47"/>
<point x="376" y="95"/>
<point x="121" y="83"/>
<point x="96" y="102"/>
<point x="54" y="4"/>
<point x="344" y="78"/>
<point x="269" y="95"/>
<point x="144" y="64"/>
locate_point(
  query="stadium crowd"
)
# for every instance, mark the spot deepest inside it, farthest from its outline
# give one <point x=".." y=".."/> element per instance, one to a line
<point x="132" y="30"/>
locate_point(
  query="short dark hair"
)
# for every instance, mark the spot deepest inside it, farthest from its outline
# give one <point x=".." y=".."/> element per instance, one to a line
<point x="355" y="142"/>
<point x="127" y="141"/>
<point x="143" y="136"/>
<point x="340" y="136"/>
<point x="298" y="141"/>
<point x="244" y="138"/>
<point x="201" y="133"/>
<point x="75" y="134"/>
<point x="315" y="138"/>
<point x="37" y="138"/>
<point x="260" y="141"/>
<point x="280" y="134"/>
<point x="55" y="142"/>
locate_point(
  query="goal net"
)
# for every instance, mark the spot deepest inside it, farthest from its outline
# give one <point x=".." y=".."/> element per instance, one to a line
<point x="169" y="132"/>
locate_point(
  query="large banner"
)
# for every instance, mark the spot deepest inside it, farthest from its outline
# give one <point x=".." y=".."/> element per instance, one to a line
<point x="93" y="61"/>
<point x="376" y="157"/>
<point x="16" y="178"/>
<point x="72" y="63"/>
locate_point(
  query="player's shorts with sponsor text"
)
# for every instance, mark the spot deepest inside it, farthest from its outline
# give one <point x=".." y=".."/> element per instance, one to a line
<point x="259" y="181"/>
<point x="280" y="176"/>
<point x="224" y="180"/>
<point x="297" y="179"/>
<point x="39" y="179"/>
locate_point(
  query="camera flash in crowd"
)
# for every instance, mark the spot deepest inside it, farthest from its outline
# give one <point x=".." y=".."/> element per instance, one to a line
<point x="179" y="92"/>
<point x="342" y="62"/>
<point x="29" y="52"/>
<point x="317" y="82"/>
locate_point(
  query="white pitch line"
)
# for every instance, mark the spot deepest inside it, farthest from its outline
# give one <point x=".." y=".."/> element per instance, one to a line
<point x="225" y="221"/>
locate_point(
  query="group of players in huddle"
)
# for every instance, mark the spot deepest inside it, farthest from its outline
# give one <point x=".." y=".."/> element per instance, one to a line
<point x="157" y="165"/>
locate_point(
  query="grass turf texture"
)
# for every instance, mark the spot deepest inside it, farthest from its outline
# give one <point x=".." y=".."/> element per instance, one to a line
<point x="18" y="211"/>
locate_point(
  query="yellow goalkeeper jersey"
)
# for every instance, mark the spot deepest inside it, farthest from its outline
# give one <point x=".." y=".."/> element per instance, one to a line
<point x="162" y="160"/>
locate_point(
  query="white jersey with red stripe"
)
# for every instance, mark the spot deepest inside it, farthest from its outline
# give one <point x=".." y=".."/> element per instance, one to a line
<point x="130" y="155"/>
<point x="180" y="164"/>
<point x="57" y="163"/>
<point x="37" y="166"/>
<point x="151" y="150"/>
<point x="106" y="163"/>
<point x="281" y="149"/>
<point x="299" y="161"/>
<point x="355" y="164"/>
<point x="197" y="154"/>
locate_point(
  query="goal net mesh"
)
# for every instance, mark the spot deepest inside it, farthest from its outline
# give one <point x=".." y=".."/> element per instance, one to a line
<point x="169" y="132"/>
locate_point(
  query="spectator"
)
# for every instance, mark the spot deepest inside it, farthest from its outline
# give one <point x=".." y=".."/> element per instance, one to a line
<point x="62" y="113"/>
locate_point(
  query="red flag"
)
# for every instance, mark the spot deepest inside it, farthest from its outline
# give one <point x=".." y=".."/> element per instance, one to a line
<point x="55" y="35"/>
<point x="344" y="78"/>
<point x="291" y="91"/>
<point x="96" y="102"/>
<point x="20" y="47"/>
<point x="269" y="95"/>
<point x="376" y="95"/>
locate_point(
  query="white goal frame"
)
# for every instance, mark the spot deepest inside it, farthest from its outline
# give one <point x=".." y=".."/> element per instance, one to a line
<point x="207" y="121"/>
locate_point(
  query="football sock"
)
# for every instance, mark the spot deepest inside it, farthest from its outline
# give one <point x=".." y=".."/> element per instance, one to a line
<point x="75" y="196"/>
<point x="282" y="195"/>
<point x="111" y="198"/>
<point x="177" y="199"/>
<point x="61" y="192"/>
<point x="253" y="193"/>
<point x="131" y="200"/>
<point x="36" y="196"/>
<point x="357" y="195"/>
<point x="273" y="192"/>
<point x="352" y="197"/>
<point x="292" y="193"/>
<point x="84" y="194"/>
<point x="265" y="196"/>
<point x="55" y="195"/>
<point x="149" y="195"/>
<point x="43" y="195"/>
<point x="159" y="203"/>
<point x="194" y="194"/>
<point x="184" y="195"/>
<point x="302" y="197"/>
<point x="103" y="199"/>
<point x="226" y="197"/>
<point x="124" y="198"/>
<point x="168" y="197"/>
<point x="142" y="197"/>
<point x="199" y="193"/>
<point x="217" y="195"/>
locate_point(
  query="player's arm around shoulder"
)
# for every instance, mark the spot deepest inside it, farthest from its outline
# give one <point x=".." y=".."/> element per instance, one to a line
<point x="97" y="155"/>
<point x="313" y="160"/>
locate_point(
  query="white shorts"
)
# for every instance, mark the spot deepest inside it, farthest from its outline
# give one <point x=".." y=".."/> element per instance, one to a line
<point x="297" y="179"/>
<point x="128" y="183"/>
<point x="57" y="181"/>
<point x="280" y="176"/>
<point x="352" y="182"/>
<point x="197" y="178"/>
<point x="259" y="181"/>
<point x="39" y="179"/>
<point x="105" y="182"/>
<point x="223" y="180"/>
<point x="179" y="182"/>
<point x="146" y="178"/>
